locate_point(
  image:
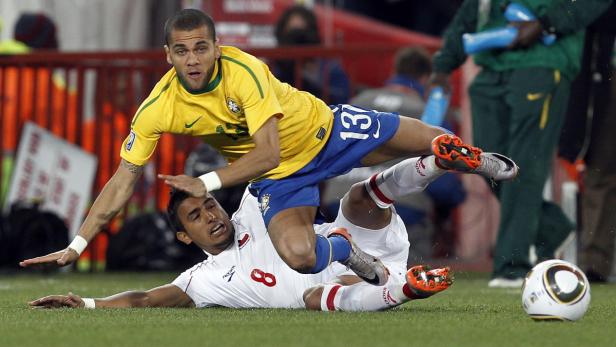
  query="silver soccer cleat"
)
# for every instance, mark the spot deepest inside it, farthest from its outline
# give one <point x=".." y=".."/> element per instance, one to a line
<point x="366" y="266"/>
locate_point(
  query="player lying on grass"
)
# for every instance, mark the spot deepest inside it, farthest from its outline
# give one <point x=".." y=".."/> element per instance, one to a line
<point x="243" y="270"/>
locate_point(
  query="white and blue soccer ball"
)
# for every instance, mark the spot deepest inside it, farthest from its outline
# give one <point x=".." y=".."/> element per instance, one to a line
<point x="556" y="290"/>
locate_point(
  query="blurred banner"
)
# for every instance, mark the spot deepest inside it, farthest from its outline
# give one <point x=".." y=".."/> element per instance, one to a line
<point x="54" y="172"/>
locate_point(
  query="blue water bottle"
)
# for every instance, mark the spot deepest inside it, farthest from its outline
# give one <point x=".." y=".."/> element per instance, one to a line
<point x="515" y="12"/>
<point x="436" y="107"/>
<point x="489" y="39"/>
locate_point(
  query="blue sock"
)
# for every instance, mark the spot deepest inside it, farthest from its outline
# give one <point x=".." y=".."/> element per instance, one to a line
<point x="334" y="248"/>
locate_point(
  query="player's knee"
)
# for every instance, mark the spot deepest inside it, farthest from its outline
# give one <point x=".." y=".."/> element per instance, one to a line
<point x="300" y="258"/>
<point x="358" y="198"/>
<point x="312" y="298"/>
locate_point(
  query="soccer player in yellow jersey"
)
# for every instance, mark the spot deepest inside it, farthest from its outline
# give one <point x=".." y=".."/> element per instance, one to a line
<point x="284" y="141"/>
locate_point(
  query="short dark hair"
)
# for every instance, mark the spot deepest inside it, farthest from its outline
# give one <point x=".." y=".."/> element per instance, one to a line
<point x="176" y="198"/>
<point x="189" y="19"/>
<point x="413" y="62"/>
<point x="36" y="30"/>
<point x="302" y="11"/>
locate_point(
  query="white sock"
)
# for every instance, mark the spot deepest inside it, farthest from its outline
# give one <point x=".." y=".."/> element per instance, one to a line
<point x="362" y="297"/>
<point x="408" y="176"/>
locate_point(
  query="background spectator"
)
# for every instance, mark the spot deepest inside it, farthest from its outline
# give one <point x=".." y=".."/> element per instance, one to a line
<point x="324" y="78"/>
<point x="404" y="92"/>
<point x="518" y="104"/>
<point x="588" y="134"/>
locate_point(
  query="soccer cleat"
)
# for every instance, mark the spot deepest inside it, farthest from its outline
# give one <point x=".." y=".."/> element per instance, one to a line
<point x="453" y="154"/>
<point x="424" y="282"/>
<point x="366" y="266"/>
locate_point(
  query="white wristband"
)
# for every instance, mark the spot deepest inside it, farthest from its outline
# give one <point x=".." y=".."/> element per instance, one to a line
<point x="211" y="180"/>
<point x="89" y="303"/>
<point x="78" y="244"/>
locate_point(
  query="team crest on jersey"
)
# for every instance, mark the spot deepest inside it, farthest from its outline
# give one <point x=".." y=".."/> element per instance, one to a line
<point x="243" y="240"/>
<point x="131" y="141"/>
<point x="264" y="204"/>
<point x="233" y="106"/>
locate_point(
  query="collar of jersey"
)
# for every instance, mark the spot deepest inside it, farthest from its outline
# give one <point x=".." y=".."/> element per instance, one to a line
<point x="210" y="86"/>
<point x="211" y="257"/>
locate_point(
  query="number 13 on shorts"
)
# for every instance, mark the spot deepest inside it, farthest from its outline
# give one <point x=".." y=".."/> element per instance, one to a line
<point x="354" y="118"/>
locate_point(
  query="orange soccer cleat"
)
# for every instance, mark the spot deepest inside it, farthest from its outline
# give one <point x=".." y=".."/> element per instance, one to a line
<point x="424" y="282"/>
<point x="453" y="154"/>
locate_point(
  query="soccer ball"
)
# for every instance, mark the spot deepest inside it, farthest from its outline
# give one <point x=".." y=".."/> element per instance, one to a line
<point x="555" y="290"/>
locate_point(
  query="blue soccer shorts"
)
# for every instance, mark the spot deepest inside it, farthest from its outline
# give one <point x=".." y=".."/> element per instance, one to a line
<point x="356" y="132"/>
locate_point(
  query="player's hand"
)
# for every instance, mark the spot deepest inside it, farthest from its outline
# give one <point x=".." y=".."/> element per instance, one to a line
<point x="57" y="301"/>
<point x="438" y="79"/>
<point x="191" y="185"/>
<point x="55" y="259"/>
<point x="529" y="32"/>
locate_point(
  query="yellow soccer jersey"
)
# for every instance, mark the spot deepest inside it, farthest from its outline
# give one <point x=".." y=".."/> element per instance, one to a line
<point x="241" y="96"/>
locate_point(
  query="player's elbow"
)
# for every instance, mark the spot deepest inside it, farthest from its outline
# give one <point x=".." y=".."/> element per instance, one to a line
<point x="273" y="161"/>
<point x="269" y="159"/>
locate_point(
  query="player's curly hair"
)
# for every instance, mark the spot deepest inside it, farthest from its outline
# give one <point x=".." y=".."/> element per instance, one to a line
<point x="175" y="199"/>
<point x="189" y="19"/>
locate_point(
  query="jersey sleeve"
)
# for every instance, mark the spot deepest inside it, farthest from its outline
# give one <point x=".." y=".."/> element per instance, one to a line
<point x="146" y="129"/>
<point x="183" y="281"/>
<point x="188" y="282"/>
<point x="256" y="93"/>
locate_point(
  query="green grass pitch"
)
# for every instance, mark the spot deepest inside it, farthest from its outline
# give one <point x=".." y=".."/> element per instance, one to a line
<point x="468" y="314"/>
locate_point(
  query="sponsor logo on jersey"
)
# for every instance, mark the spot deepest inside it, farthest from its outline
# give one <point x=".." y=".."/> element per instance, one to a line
<point x="229" y="274"/>
<point x="264" y="204"/>
<point x="131" y="140"/>
<point x="189" y="125"/>
<point x="243" y="240"/>
<point x="534" y="96"/>
<point x="233" y="106"/>
<point x="377" y="133"/>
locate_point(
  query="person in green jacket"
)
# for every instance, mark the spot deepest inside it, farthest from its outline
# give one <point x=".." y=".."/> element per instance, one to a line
<point x="518" y="104"/>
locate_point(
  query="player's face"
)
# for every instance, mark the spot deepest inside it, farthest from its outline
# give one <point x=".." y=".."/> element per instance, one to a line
<point x="193" y="55"/>
<point x="206" y="224"/>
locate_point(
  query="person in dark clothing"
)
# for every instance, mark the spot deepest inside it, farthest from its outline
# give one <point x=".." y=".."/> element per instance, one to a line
<point x="587" y="135"/>
<point x="37" y="31"/>
<point x="324" y="78"/>
<point x="518" y="103"/>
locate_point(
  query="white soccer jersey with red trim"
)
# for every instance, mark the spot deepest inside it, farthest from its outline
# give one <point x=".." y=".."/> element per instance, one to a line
<point x="251" y="274"/>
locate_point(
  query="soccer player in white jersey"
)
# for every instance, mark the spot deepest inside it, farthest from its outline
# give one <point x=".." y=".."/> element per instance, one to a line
<point x="243" y="270"/>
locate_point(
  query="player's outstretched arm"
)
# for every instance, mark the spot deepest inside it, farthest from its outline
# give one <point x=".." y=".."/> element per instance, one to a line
<point x="164" y="296"/>
<point x="110" y="201"/>
<point x="264" y="157"/>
